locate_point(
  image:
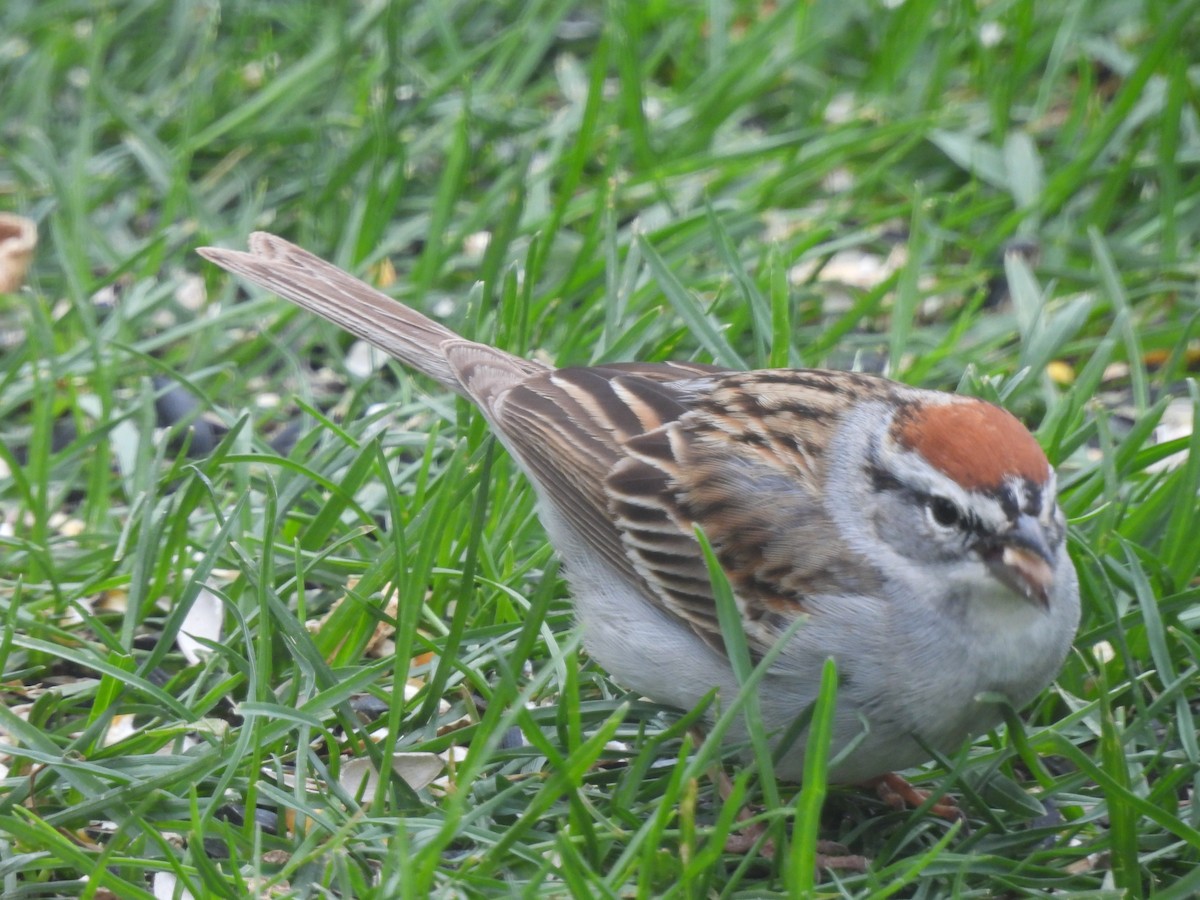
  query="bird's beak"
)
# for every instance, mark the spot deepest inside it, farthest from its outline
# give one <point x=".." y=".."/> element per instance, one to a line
<point x="1022" y="560"/>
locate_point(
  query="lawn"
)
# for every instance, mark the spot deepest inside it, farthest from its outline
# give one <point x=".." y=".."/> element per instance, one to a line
<point x="244" y="563"/>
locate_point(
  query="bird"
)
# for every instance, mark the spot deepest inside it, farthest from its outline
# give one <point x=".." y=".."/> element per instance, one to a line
<point x="913" y="536"/>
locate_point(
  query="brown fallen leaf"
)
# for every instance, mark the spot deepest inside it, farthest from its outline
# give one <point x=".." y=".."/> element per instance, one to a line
<point x="18" y="237"/>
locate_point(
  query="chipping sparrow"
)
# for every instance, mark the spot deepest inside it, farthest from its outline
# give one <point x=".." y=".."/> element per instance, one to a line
<point x="917" y="532"/>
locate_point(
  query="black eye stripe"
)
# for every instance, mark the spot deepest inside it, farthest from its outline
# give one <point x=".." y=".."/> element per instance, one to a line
<point x="882" y="480"/>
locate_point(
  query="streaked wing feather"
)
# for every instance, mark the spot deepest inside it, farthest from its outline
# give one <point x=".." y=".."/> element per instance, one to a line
<point x="632" y="455"/>
<point x="748" y="470"/>
<point x="568" y="427"/>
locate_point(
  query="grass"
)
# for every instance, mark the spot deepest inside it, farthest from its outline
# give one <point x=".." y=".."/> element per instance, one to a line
<point x="654" y="180"/>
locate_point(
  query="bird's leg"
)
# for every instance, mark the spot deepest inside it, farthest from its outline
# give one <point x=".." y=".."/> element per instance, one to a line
<point x="744" y="839"/>
<point x="898" y="793"/>
<point x="830" y="855"/>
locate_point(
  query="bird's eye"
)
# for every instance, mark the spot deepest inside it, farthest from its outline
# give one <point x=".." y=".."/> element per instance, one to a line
<point x="943" y="512"/>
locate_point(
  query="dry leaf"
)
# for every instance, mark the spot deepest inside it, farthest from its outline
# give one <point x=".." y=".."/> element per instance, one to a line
<point x="851" y="267"/>
<point x="383" y="273"/>
<point x="417" y="770"/>
<point x="203" y="621"/>
<point x="475" y="245"/>
<point x="18" y="237"/>
<point x="119" y="728"/>
<point x="164" y="885"/>
<point x="190" y="293"/>
<point x="452" y="756"/>
<point x="1176" y="422"/>
<point x="363" y="360"/>
<point x="114" y="600"/>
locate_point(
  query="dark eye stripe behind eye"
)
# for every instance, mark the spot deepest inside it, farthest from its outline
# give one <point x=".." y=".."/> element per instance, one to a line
<point x="968" y="521"/>
<point x="883" y="481"/>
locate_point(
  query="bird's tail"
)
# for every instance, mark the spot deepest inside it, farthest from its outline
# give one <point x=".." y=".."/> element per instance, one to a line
<point x="323" y="288"/>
